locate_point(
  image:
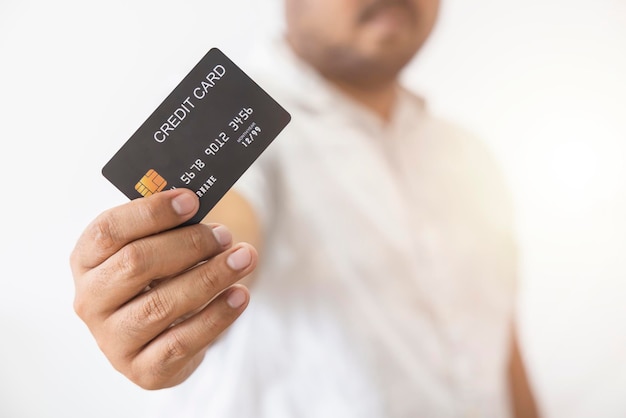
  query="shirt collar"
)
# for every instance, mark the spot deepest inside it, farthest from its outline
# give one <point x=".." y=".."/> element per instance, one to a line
<point x="286" y="73"/>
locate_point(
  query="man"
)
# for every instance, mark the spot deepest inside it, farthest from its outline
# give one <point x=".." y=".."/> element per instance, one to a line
<point x="385" y="285"/>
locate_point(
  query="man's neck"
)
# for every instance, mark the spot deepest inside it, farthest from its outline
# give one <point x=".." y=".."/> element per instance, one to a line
<point x="379" y="99"/>
<point x="379" y="96"/>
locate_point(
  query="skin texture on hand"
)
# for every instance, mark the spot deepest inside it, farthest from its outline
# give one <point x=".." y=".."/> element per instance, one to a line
<point x="155" y="296"/>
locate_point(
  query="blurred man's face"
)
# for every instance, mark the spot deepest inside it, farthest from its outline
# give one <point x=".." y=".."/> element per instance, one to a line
<point x="362" y="41"/>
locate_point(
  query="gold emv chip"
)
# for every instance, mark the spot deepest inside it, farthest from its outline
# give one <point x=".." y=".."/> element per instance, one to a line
<point x="150" y="184"/>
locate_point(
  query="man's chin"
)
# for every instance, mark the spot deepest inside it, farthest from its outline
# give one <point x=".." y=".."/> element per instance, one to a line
<point x="373" y="70"/>
<point x="388" y="41"/>
<point x="390" y="51"/>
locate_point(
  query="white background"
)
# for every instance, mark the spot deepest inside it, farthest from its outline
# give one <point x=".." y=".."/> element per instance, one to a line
<point x="541" y="80"/>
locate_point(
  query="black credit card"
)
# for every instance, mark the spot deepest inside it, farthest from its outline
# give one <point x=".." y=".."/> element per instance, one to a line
<point x="203" y="137"/>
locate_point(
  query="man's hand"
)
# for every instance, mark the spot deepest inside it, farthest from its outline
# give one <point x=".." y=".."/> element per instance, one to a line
<point x="143" y="288"/>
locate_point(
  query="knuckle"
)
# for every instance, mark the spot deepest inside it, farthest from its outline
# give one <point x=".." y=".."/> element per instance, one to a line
<point x="159" y="373"/>
<point x="80" y="307"/>
<point x="129" y="327"/>
<point x="103" y="232"/>
<point x="133" y="259"/>
<point x="143" y="379"/>
<point x="150" y="211"/>
<point x="214" y="325"/>
<point x="154" y="308"/>
<point x="210" y="278"/>
<point x="83" y="303"/>
<point x="198" y="241"/>
<point x="175" y="349"/>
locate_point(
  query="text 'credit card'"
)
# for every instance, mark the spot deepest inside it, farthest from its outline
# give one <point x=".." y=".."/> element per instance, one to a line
<point x="203" y="137"/>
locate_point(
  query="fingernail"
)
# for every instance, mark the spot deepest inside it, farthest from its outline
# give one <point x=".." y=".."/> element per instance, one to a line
<point x="240" y="259"/>
<point x="222" y="235"/>
<point x="236" y="298"/>
<point x="184" y="204"/>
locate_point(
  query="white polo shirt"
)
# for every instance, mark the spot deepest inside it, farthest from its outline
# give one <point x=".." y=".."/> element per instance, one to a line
<point x="386" y="283"/>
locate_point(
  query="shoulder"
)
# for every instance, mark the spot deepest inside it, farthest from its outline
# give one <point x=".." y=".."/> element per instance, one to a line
<point x="467" y="164"/>
<point x="457" y="147"/>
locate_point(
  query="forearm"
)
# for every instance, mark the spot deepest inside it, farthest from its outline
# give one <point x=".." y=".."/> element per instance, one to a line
<point x="523" y="401"/>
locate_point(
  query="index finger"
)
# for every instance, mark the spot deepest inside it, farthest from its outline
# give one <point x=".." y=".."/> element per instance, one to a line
<point x="139" y="218"/>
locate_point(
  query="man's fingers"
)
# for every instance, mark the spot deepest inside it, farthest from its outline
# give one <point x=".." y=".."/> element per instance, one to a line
<point x="146" y="316"/>
<point x="163" y="362"/>
<point x="127" y="273"/>
<point x="139" y="218"/>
